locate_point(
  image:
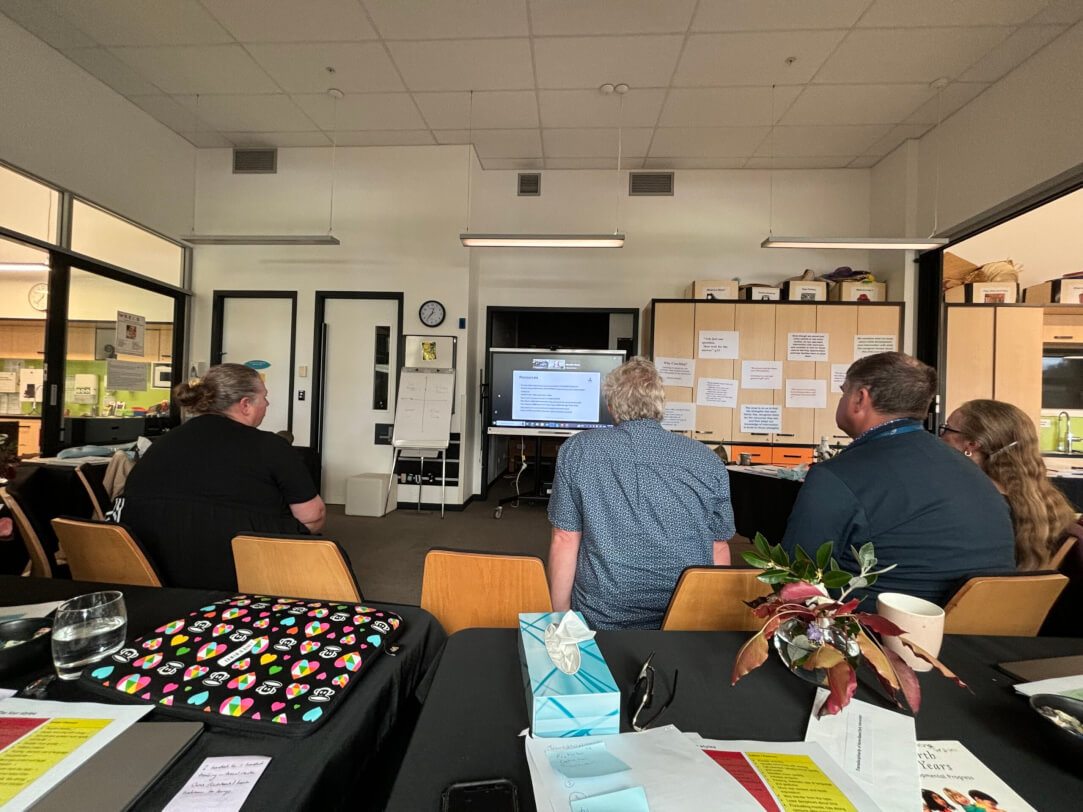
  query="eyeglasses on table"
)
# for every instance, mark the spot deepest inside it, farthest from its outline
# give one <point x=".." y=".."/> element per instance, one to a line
<point x="642" y="696"/>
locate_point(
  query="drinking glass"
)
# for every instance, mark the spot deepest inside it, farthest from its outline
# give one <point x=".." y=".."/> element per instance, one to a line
<point x="87" y="629"/>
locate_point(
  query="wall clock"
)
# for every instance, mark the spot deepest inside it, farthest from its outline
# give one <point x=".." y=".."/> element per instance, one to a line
<point x="431" y="313"/>
<point x="39" y="296"/>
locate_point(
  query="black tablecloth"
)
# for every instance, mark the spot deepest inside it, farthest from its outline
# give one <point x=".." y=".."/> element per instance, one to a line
<point x="347" y="763"/>
<point x="476" y="707"/>
<point x="761" y="504"/>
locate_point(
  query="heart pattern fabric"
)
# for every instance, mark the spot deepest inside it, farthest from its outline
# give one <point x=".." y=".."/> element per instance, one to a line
<point x="251" y="660"/>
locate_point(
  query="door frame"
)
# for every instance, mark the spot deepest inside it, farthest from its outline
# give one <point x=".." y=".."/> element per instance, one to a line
<point x="316" y="415"/>
<point x="218" y="312"/>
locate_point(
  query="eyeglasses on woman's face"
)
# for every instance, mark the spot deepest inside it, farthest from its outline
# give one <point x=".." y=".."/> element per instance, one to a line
<point x="945" y="428"/>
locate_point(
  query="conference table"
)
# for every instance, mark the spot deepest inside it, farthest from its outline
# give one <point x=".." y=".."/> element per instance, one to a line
<point x="346" y="763"/>
<point x="475" y="708"/>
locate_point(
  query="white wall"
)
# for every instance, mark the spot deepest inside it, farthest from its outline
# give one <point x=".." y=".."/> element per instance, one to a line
<point x="62" y="125"/>
<point x="92" y="298"/>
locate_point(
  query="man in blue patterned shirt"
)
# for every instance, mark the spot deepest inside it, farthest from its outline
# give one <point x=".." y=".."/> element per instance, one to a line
<point x="632" y="506"/>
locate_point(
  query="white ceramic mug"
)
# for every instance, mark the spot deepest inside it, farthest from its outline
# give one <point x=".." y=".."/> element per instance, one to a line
<point x="922" y="620"/>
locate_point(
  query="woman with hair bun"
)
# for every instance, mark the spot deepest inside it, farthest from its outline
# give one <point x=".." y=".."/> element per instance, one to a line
<point x="213" y="477"/>
<point x="1002" y="440"/>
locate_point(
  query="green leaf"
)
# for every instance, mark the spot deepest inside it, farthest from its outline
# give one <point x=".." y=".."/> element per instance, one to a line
<point x="799" y="554"/>
<point x="780" y="556"/>
<point x="775" y="576"/>
<point x="762" y="545"/>
<point x="754" y="560"/>
<point x="870" y="579"/>
<point x="866" y="556"/>
<point x="823" y="555"/>
<point x="860" y="582"/>
<point x="836" y="579"/>
<point x="805" y="570"/>
<point x="835" y="565"/>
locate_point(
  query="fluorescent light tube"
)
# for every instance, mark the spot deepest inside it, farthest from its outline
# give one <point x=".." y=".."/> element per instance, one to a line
<point x="542" y="240"/>
<point x="23" y="266"/>
<point x="266" y="239"/>
<point x="866" y="243"/>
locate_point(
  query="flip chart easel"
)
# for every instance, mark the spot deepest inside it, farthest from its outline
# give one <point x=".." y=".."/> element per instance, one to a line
<point x="423" y="420"/>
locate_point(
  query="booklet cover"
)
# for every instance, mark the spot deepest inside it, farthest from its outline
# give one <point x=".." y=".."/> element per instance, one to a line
<point x="953" y="778"/>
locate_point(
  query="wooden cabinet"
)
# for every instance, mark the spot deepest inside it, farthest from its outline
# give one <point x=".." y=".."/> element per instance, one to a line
<point x="797" y="423"/>
<point x="674" y="328"/>
<point x="713" y="423"/>
<point x="789" y="455"/>
<point x="22" y="338"/>
<point x="755" y="325"/>
<point x="81" y="342"/>
<point x="840" y="323"/>
<point x="760" y="454"/>
<point x="1060" y="329"/>
<point x="29" y="437"/>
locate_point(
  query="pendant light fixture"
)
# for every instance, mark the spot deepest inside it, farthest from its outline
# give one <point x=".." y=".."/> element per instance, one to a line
<point x="614" y="240"/>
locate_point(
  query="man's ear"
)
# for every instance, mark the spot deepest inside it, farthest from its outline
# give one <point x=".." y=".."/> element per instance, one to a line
<point x="860" y="400"/>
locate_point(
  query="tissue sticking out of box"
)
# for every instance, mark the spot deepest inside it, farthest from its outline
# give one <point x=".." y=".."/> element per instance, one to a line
<point x="562" y="642"/>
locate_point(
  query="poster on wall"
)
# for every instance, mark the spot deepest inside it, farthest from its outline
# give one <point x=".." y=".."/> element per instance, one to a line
<point x="676" y="371"/>
<point x="719" y="344"/>
<point x="84" y="388"/>
<point x="9" y="382"/>
<point x="838" y="377"/>
<point x="679" y="417"/>
<point x="760" y="418"/>
<point x="806" y="347"/>
<point x="131" y="333"/>
<point x="161" y="376"/>
<point x="31" y="382"/>
<point x="872" y="344"/>
<point x="717" y="392"/>
<point x="806" y="394"/>
<point x="761" y="374"/>
<point x="128" y="376"/>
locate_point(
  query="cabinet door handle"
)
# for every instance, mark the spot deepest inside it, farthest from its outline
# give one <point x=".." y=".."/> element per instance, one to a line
<point x="780" y="434"/>
<point x="1064" y="338"/>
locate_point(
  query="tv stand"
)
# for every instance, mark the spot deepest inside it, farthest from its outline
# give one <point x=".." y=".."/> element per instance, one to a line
<point x="535" y="493"/>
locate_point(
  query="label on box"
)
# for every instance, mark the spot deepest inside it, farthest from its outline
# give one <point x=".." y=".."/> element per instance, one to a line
<point x="1071" y="291"/>
<point x="764" y="294"/>
<point x="718" y="292"/>
<point x="994" y="294"/>
<point x="806" y="293"/>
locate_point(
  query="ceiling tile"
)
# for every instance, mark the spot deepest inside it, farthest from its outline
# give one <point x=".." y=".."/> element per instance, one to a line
<point x="513" y="163"/>
<point x="138" y="22"/>
<point x="234" y="113"/>
<point x="198" y="69"/>
<point x="754" y="58"/>
<point x="591" y="143"/>
<point x="766" y="15"/>
<point x="725" y="106"/>
<point x="448" y="19"/>
<point x="577" y="17"/>
<point x="865" y="161"/>
<point x="43" y="23"/>
<point x="207" y="140"/>
<point x="290" y="21"/>
<point x="908" y="55"/>
<point x="952" y="98"/>
<point x="796" y="142"/>
<point x="1059" y="11"/>
<point x="365" y="111"/>
<point x="290" y="139"/>
<point x="490" y="110"/>
<point x="487" y="64"/>
<point x="302" y="67"/>
<point x="588" y="62"/>
<point x="857" y="104"/>
<point x="706" y="142"/>
<point x="693" y="163"/>
<point x="386" y="138"/>
<point x="1016" y="49"/>
<point x="896" y="136"/>
<point x="800" y="162"/>
<point x="496" y="143"/>
<point x="101" y="64"/>
<point x="590" y="108"/>
<point x="929" y="13"/>
<point x="178" y="118"/>
<point x="600" y="162"/>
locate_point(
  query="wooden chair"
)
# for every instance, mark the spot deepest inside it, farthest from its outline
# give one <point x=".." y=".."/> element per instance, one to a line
<point x="464" y="589"/>
<point x="1062" y="552"/>
<point x="104" y="552"/>
<point x="712" y="599"/>
<point x="40" y="565"/>
<point x="98" y="504"/>
<point x="1009" y="605"/>
<point x="294" y="567"/>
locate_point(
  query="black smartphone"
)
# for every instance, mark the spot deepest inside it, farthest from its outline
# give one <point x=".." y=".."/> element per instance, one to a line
<point x="495" y="795"/>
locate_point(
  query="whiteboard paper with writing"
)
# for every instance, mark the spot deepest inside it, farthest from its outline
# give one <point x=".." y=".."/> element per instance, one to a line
<point x="423" y="411"/>
<point x="221" y="784"/>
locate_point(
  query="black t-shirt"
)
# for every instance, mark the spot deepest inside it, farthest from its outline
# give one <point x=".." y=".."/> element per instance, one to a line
<point x="203" y="483"/>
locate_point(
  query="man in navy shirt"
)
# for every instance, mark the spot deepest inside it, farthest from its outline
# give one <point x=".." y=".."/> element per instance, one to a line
<point x="925" y="506"/>
<point x="631" y="507"/>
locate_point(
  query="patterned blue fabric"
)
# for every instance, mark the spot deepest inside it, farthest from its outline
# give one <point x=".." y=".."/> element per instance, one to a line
<point x="648" y="503"/>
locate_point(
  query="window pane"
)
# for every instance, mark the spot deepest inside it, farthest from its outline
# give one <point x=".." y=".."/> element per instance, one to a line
<point x="111" y="239"/>
<point x="381" y="364"/>
<point x="23" y="301"/>
<point x="27" y="206"/>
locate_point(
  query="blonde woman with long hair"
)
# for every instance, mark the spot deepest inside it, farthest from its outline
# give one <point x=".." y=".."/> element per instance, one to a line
<point x="1002" y="440"/>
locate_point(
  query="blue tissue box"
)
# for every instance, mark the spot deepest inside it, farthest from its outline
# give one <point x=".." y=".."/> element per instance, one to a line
<point x="586" y="703"/>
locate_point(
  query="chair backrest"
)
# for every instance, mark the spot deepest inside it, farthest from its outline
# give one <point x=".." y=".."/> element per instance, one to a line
<point x="1062" y="552"/>
<point x="39" y="561"/>
<point x="713" y="599"/>
<point x="98" y="503"/>
<point x="104" y="552"/>
<point x="294" y="567"/>
<point x="465" y="589"/>
<point x="1009" y="605"/>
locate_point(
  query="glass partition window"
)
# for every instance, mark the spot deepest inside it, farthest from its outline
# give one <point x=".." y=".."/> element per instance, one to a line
<point x="24" y="296"/>
<point x="28" y="206"/>
<point x="110" y="239"/>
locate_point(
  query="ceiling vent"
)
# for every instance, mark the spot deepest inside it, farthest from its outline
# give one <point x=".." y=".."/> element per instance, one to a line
<point x="255" y="161"/>
<point x="645" y="184"/>
<point x="529" y="184"/>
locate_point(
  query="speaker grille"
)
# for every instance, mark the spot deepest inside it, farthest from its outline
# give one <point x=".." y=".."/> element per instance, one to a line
<point x="529" y="184"/>
<point x="255" y="161"/>
<point x="650" y="183"/>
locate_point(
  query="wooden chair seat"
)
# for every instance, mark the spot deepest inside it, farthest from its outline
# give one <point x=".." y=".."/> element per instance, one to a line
<point x="104" y="552"/>
<point x="713" y="599"/>
<point x="294" y="567"/>
<point x="464" y="589"/>
<point x="1009" y="605"/>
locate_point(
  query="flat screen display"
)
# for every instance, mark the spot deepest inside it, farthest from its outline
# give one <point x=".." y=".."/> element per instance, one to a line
<point x="549" y="390"/>
<point x="1062" y="379"/>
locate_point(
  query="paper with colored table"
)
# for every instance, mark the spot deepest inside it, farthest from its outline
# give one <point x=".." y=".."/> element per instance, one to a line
<point x="41" y="743"/>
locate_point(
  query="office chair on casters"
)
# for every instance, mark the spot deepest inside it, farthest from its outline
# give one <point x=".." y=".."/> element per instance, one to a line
<point x="713" y="599"/>
<point x="294" y="567"/>
<point x="465" y="589"/>
<point x="103" y="552"/>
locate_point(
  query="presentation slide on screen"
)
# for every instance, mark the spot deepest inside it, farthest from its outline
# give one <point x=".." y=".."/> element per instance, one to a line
<point x="547" y="394"/>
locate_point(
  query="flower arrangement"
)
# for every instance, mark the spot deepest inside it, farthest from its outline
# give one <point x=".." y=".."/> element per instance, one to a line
<point x="824" y="636"/>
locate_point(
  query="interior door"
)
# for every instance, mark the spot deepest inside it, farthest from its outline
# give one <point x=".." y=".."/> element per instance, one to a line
<point x="360" y="362"/>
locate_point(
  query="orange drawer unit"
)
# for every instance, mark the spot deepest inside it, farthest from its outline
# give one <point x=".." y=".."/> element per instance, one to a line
<point x="761" y="454"/>
<point x="790" y="455"/>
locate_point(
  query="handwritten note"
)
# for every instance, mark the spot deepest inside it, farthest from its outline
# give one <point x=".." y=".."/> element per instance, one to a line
<point x="633" y="799"/>
<point x="221" y="784"/>
<point x="585" y="761"/>
<point x="719" y="343"/>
